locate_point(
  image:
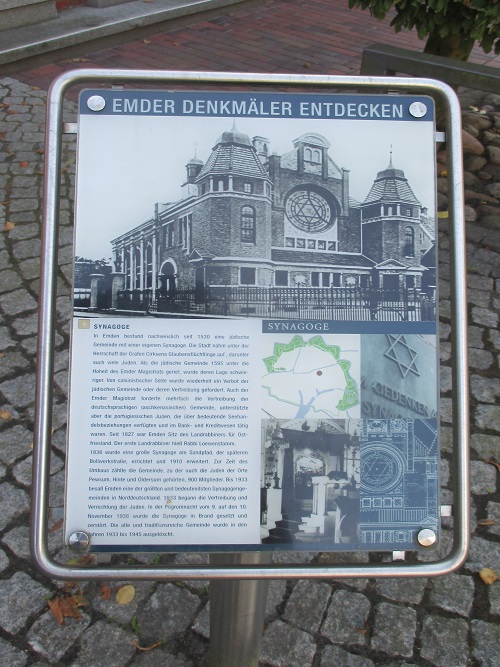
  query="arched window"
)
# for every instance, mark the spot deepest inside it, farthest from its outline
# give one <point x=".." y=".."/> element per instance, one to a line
<point x="248" y="224"/>
<point x="149" y="266"/>
<point x="409" y="249"/>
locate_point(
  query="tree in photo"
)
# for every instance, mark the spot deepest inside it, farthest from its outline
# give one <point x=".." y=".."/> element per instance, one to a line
<point x="451" y="26"/>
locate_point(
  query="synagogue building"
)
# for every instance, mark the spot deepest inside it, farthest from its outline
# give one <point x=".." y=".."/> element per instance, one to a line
<point x="249" y="217"/>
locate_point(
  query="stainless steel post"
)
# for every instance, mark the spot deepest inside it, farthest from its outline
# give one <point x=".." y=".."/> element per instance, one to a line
<point x="237" y="612"/>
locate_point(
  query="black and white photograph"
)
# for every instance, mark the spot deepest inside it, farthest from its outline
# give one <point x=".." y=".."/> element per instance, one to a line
<point x="238" y="216"/>
<point x="310" y="483"/>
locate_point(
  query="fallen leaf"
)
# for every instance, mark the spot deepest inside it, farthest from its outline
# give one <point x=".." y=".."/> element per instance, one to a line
<point x="146" y="41"/>
<point x="71" y="587"/>
<point x="488" y="575"/>
<point x="40" y="151"/>
<point x="486" y="522"/>
<point x="5" y="414"/>
<point x="2" y="136"/>
<point x="105" y="592"/>
<point x="82" y="561"/>
<point x="9" y="226"/>
<point x="79" y="600"/>
<point x="24" y="164"/>
<point x="493" y="463"/>
<point x="443" y="172"/>
<point x="125" y="594"/>
<point x="142" y="648"/>
<point x="80" y="60"/>
<point x="55" y="608"/>
<point x="69" y="608"/>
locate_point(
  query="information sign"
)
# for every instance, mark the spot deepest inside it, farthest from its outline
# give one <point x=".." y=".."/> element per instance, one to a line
<point x="254" y="345"/>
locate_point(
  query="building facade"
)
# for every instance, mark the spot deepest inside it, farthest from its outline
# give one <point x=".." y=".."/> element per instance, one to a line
<point x="250" y="218"/>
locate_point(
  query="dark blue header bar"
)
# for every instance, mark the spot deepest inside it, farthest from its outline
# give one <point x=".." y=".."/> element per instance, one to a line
<point x="352" y="327"/>
<point x="256" y="105"/>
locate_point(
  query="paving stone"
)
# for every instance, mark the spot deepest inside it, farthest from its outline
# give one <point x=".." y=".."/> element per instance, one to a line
<point x="486" y="390"/>
<point x="446" y="410"/>
<point x="52" y="640"/>
<point x="160" y="658"/>
<point x="5" y="337"/>
<point x="493" y="513"/>
<point x="346" y="619"/>
<point x="486" y="637"/>
<point x="13" y="501"/>
<point x="26" y="326"/>
<point x="486" y="446"/>
<point x="15" y="444"/>
<point x="482" y="553"/>
<point x="18" y="541"/>
<point x="155" y="625"/>
<point x="444" y="642"/>
<point x="20" y="597"/>
<point x="13" y="361"/>
<point x="20" y="391"/>
<point x="494" y="598"/>
<point x="334" y="656"/>
<point x="307" y="604"/>
<point x="122" y="613"/>
<point x="201" y="624"/>
<point x="480" y="360"/>
<point x="445" y="379"/>
<point x="105" y="645"/>
<point x="487" y="417"/>
<point x="482" y="478"/>
<point x="285" y="646"/>
<point x="11" y="656"/>
<point x="23" y="470"/>
<point x="4" y="561"/>
<point x="494" y="337"/>
<point x="17" y="302"/>
<point x="453" y="592"/>
<point x="402" y="590"/>
<point x="475" y="337"/>
<point x="9" y="280"/>
<point x="479" y="298"/>
<point x="394" y="630"/>
<point x="275" y="593"/>
<point x="484" y="316"/>
<point x="57" y="489"/>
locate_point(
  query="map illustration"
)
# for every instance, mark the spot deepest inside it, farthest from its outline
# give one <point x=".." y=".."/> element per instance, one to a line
<point x="310" y="377"/>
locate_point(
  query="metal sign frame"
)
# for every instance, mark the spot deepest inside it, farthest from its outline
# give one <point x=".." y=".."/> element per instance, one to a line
<point x="46" y="329"/>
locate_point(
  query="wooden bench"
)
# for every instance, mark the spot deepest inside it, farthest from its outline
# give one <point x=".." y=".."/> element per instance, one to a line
<point x="383" y="60"/>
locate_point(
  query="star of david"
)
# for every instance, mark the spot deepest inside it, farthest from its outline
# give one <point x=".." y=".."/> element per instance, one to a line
<point x="400" y="352"/>
<point x="378" y="469"/>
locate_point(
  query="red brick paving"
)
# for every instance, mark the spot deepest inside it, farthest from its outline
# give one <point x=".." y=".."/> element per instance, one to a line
<point x="280" y="36"/>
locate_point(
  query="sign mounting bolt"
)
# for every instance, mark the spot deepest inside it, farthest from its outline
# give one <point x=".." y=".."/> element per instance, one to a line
<point x="96" y="103"/>
<point x="418" y="109"/>
<point x="78" y="541"/>
<point x="426" y="537"/>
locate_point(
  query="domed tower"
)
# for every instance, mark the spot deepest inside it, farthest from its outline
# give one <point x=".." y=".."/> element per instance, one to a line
<point x="193" y="168"/>
<point x="392" y="223"/>
<point x="233" y="212"/>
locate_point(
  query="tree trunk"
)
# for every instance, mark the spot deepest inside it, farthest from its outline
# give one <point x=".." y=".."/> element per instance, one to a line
<point x="451" y="46"/>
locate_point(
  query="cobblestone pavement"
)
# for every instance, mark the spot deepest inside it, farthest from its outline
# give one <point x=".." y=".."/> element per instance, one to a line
<point x="453" y="621"/>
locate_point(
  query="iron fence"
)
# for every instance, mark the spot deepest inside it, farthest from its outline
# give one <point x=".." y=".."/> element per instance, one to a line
<point x="336" y="303"/>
